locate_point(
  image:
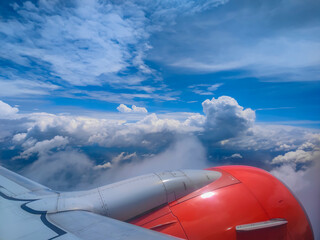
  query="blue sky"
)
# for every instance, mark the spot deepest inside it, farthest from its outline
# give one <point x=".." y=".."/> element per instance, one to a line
<point x="164" y="56"/>
<point x="95" y="91"/>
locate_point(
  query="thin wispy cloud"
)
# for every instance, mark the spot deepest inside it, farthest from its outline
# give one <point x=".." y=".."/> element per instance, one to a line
<point x="83" y="43"/>
<point x="205" y="89"/>
<point x="264" y="38"/>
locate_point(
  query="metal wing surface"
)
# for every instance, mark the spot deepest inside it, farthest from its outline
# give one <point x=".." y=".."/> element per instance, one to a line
<point x="20" y="221"/>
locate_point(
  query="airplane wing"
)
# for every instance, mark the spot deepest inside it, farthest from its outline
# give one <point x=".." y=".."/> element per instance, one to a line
<point x="19" y="221"/>
<point x="12" y="184"/>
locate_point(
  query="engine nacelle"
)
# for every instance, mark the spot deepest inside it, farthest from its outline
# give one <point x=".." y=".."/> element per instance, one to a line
<point x="244" y="203"/>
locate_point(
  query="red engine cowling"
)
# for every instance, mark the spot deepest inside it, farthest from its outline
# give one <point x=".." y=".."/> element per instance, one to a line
<point x="244" y="203"/>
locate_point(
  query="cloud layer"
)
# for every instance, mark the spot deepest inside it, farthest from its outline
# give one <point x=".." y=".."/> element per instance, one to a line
<point x="78" y="152"/>
<point x="225" y="126"/>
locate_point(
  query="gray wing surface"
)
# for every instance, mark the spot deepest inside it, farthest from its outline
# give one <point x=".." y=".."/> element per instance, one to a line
<point x="19" y="221"/>
<point x="13" y="184"/>
<point x="87" y="225"/>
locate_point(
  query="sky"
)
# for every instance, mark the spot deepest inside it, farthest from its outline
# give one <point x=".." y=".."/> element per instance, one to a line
<point x="92" y="92"/>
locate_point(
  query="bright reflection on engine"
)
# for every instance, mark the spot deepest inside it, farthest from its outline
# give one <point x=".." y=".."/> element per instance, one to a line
<point x="207" y="194"/>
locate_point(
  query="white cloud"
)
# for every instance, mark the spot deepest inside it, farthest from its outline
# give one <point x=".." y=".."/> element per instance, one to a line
<point x="307" y="146"/>
<point x="79" y="42"/>
<point x="136" y="109"/>
<point x="225" y="118"/>
<point x="20" y="88"/>
<point x="293" y="58"/>
<point x="130" y="98"/>
<point x="19" y="137"/>
<point x="271" y="137"/>
<point x="284" y="147"/>
<point x="307" y="152"/>
<point x="298" y="156"/>
<point x="124" y="109"/>
<point x="236" y="155"/>
<point x="103" y="166"/>
<point x="196" y="120"/>
<point x="214" y="87"/>
<point x="6" y="111"/>
<point x="45" y="146"/>
<point x="205" y="89"/>
<point x="123" y="156"/>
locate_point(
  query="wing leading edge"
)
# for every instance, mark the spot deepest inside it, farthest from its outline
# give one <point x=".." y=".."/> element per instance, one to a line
<point x="19" y="221"/>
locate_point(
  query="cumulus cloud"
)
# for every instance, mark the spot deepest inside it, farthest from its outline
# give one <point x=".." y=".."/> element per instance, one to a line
<point x="225" y="118"/>
<point x="123" y="108"/>
<point x="272" y="138"/>
<point x="307" y="152"/>
<point x="134" y="109"/>
<point x="6" y="111"/>
<point x="19" y="137"/>
<point x="45" y="146"/>
<point x="139" y="109"/>
<point x="298" y="156"/>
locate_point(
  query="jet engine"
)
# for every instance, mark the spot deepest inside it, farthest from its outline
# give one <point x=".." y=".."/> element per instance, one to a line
<point x="243" y="203"/>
